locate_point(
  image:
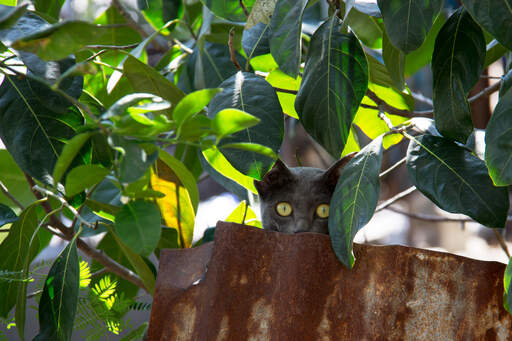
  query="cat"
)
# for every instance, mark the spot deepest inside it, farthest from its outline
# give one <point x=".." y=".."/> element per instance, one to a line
<point x="296" y="199"/>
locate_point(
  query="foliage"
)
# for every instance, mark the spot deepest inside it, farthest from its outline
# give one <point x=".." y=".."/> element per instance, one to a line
<point x="110" y="124"/>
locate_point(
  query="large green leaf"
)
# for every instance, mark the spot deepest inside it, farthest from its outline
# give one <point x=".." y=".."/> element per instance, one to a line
<point x="59" y="300"/>
<point x="252" y="94"/>
<point x="83" y="177"/>
<point x="135" y="160"/>
<point x="49" y="7"/>
<point x="14" y="249"/>
<point x="498" y="142"/>
<point x="255" y="40"/>
<point x="395" y="62"/>
<point x="9" y="15"/>
<point x="285" y="32"/>
<point x="366" y="28"/>
<point x="408" y="22"/>
<point x="144" y="78"/>
<point x="495" y="16"/>
<point x="34" y="121"/>
<point x="459" y="55"/>
<point x="334" y="83"/>
<point x="355" y="199"/>
<point x="65" y="38"/>
<point x="192" y="104"/>
<point x="7" y="215"/>
<point x="14" y="179"/>
<point x="279" y="79"/>
<point x="138" y="226"/>
<point x="456" y="180"/>
<point x="229" y="9"/>
<point x="69" y="152"/>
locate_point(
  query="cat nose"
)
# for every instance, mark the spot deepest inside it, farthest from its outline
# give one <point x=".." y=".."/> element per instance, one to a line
<point x="302" y="225"/>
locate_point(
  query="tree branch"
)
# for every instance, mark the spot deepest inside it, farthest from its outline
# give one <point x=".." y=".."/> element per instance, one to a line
<point x="392" y="168"/>
<point x="5" y="191"/>
<point x="394" y="199"/>
<point x="246" y="12"/>
<point x="232" y="49"/>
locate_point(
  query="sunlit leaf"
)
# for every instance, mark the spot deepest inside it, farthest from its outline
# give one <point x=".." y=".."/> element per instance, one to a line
<point x="85" y="274"/>
<point x="176" y="207"/>
<point x="243" y="214"/>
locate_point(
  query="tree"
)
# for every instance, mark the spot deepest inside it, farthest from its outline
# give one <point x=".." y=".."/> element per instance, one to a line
<point x="109" y="124"/>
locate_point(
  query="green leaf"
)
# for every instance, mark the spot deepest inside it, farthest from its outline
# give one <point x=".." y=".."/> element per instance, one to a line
<point x="255" y="40"/>
<point x="494" y="52"/>
<point x="135" y="160"/>
<point x="252" y="94"/>
<point x="395" y="62"/>
<point x="457" y="62"/>
<point x="14" y="179"/>
<point x="229" y="9"/>
<point x="59" y="300"/>
<point x="366" y="28"/>
<point x="7" y="215"/>
<point x="14" y="249"/>
<point x="31" y="112"/>
<point x="65" y="38"/>
<point x="185" y="177"/>
<point x="70" y="150"/>
<point x="456" y="180"/>
<point x="192" y="104"/>
<point x="85" y="274"/>
<point x="354" y="200"/>
<point x="495" y="16"/>
<point x="252" y="147"/>
<point x="49" y="7"/>
<point x="285" y="32"/>
<point x="422" y="56"/>
<point x="10" y="15"/>
<point x="144" y="78"/>
<point x="83" y="177"/>
<point x="230" y="121"/>
<point x="334" y="83"/>
<point x="138" y="226"/>
<point x="137" y="333"/>
<point x="408" y="22"/>
<point x="137" y="262"/>
<point x="498" y="142"/>
<point x="507" y="282"/>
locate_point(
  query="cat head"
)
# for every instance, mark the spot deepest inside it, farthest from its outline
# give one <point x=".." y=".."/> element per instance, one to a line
<point x="297" y="199"/>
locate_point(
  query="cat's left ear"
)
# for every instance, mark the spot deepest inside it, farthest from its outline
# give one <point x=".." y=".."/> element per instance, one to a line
<point x="333" y="173"/>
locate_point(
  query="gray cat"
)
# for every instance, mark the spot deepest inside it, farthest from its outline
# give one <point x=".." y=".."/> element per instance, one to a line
<point x="297" y="199"/>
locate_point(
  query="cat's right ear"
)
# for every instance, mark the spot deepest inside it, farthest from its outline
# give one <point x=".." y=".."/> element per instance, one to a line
<point x="276" y="177"/>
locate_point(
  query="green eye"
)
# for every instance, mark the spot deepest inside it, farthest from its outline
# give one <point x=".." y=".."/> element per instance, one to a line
<point x="322" y="210"/>
<point x="284" y="209"/>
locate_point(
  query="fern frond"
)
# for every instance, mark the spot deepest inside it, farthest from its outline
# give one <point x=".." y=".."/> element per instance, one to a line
<point x="13" y="276"/>
<point x="85" y="274"/>
<point x="105" y="288"/>
<point x="138" y="306"/>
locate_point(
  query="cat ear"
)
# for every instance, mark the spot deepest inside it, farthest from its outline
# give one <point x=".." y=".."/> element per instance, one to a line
<point x="276" y="177"/>
<point x="333" y="173"/>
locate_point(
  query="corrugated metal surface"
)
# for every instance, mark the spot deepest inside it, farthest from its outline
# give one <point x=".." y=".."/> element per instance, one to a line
<point x="254" y="284"/>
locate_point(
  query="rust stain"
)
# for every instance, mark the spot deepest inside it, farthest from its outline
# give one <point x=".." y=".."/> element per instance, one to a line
<point x="252" y="284"/>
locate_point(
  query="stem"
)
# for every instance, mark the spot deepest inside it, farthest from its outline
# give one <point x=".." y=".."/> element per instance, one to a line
<point x="502" y="242"/>
<point x="394" y="199"/>
<point x="112" y="47"/>
<point x="5" y="191"/>
<point x="232" y="49"/>
<point x="246" y="12"/>
<point x="392" y="168"/>
<point x="489" y="90"/>
<point x="287" y="91"/>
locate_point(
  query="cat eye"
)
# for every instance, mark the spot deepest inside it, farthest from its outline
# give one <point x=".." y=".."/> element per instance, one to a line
<point x="284" y="209"/>
<point x="322" y="210"/>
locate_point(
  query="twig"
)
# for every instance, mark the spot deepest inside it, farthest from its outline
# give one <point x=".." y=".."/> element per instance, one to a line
<point x="112" y="47"/>
<point x="64" y="203"/>
<point x="394" y="199"/>
<point x="35" y="293"/>
<point x="183" y="47"/>
<point x="287" y="91"/>
<point x="5" y="191"/>
<point x="95" y="55"/>
<point x="246" y="12"/>
<point x="427" y="217"/>
<point x="392" y="168"/>
<point x="490" y="89"/>
<point x="501" y="242"/>
<point x="421" y="98"/>
<point x="232" y="49"/>
<point x="388" y="108"/>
